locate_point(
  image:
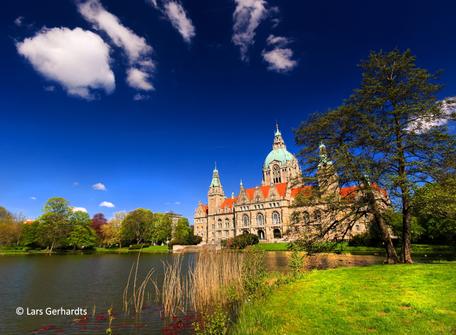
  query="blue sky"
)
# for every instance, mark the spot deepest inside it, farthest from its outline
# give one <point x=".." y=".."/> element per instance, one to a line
<point x="144" y="97"/>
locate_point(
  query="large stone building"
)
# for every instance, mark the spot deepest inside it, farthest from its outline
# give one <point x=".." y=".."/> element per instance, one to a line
<point x="266" y="209"/>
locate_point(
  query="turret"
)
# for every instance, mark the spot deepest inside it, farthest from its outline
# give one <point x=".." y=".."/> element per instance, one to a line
<point x="215" y="195"/>
<point x="328" y="180"/>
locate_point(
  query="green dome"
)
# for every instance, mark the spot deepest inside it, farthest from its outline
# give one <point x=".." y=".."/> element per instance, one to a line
<point x="281" y="155"/>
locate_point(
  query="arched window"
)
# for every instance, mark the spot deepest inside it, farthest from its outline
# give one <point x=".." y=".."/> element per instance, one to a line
<point x="317" y="216"/>
<point x="275" y="218"/>
<point x="276" y="178"/>
<point x="219" y="223"/>
<point x="261" y="234"/>
<point x="227" y="223"/>
<point x="276" y="233"/>
<point x="306" y="217"/>
<point x="245" y="220"/>
<point x="260" y="219"/>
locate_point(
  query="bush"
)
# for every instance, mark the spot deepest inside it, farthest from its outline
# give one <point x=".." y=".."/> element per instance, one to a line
<point x="241" y="241"/>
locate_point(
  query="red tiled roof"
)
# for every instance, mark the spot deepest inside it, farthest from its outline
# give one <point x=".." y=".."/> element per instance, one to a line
<point x="229" y="202"/>
<point x="281" y="189"/>
<point x="304" y="190"/>
<point x="350" y="191"/>
<point x="205" y="208"/>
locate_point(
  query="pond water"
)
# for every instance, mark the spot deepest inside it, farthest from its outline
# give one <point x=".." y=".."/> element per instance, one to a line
<point x="96" y="282"/>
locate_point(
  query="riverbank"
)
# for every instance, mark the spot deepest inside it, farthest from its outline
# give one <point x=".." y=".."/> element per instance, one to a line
<point x="399" y="299"/>
<point x="417" y="249"/>
<point x="155" y="249"/>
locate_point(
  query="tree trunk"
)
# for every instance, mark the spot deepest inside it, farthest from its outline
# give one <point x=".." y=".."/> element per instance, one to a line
<point x="391" y="255"/>
<point x="406" y="251"/>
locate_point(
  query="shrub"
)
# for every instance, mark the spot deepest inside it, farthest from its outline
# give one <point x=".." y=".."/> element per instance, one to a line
<point x="138" y="246"/>
<point x="242" y="241"/>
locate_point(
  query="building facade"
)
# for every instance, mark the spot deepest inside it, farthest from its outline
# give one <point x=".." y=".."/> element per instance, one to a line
<point x="267" y="210"/>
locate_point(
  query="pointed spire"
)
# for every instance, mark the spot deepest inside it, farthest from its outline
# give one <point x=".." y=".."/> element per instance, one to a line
<point x="278" y="140"/>
<point x="232" y="195"/>
<point x="215" y="178"/>
<point x="241" y="185"/>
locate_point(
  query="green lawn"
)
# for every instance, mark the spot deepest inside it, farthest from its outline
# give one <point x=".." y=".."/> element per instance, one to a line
<point x="417" y="249"/>
<point x="395" y="299"/>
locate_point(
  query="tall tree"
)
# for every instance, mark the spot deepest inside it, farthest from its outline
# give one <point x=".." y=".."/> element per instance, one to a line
<point x="391" y="131"/>
<point x="98" y="221"/>
<point x="162" y="228"/>
<point x="398" y="120"/>
<point x="81" y="235"/>
<point x="137" y="226"/>
<point x="54" y="224"/>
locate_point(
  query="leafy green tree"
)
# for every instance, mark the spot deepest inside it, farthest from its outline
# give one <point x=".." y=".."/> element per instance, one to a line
<point x="10" y="228"/>
<point x="435" y="207"/>
<point x="162" y="228"/>
<point x="111" y="231"/>
<point x="183" y="233"/>
<point x="137" y="226"/>
<point x="54" y="224"/>
<point x="81" y="235"/>
<point x="391" y="131"/>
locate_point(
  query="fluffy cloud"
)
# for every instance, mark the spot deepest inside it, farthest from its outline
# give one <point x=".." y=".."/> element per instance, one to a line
<point x="106" y="204"/>
<point x="247" y="17"/>
<point x="32" y="198"/>
<point x="79" y="209"/>
<point x="135" y="47"/>
<point x="279" y="41"/>
<point x="280" y="59"/>
<point x="140" y="97"/>
<point x="179" y="19"/>
<point x="138" y="79"/>
<point x="77" y="59"/>
<point x="99" y="187"/>
<point x="447" y="113"/>
<point x="19" y="21"/>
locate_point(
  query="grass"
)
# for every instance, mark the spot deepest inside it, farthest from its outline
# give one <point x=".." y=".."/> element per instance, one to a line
<point x="399" y="299"/>
<point x="417" y="249"/>
<point x="148" y="250"/>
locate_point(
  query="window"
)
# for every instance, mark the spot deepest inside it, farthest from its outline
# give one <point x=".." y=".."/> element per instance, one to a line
<point x="306" y="217"/>
<point x="227" y="223"/>
<point x="219" y="223"/>
<point x="245" y="220"/>
<point x="275" y="218"/>
<point x="260" y="219"/>
<point x="276" y="178"/>
<point x="357" y="227"/>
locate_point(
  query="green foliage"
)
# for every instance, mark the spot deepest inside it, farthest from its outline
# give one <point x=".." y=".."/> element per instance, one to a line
<point x="435" y="206"/>
<point x="254" y="271"/>
<point x="10" y="228"/>
<point x="214" y="323"/>
<point x="162" y="228"/>
<point x="312" y="246"/>
<point x="241" y="241"/>
<point x="137" y="226"/>
<point x="183" y="234"/>
<point x="81" y="235"/>
<point x="296" y="263"/>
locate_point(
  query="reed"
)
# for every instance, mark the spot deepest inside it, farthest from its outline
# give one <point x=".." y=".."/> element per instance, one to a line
<point x="214" y="279"/>
<point x="135" y="295"/>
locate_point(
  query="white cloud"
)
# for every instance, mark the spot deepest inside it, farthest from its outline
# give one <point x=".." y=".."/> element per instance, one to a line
<point x="280" y="59"/>
<point x="177" y="203"/>
<point x="33" y="198"/>
<point x="99" y="187"/>
<point x="75" y="184"/>
<point x="247" y="17"/>
<point x="106" y="204"/>
<point x="447" y="113"/>
<point x="140" y="97"/>
<point x="135" y="47"/>
<point x="279" y="41"/>
<point x="77" y="59"/>
<point x="79" y="209"/>
<point x="153" y="3"/>
<point x="138" y="79"/>
<point x="178" y="17"/>
<point x="18" y="21"/>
